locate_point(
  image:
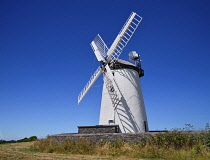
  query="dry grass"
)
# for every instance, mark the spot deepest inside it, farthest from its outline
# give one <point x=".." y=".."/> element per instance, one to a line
<point x="169" y="146"/>
<point x="21" y="151"/>
<point x="173" y="145"/>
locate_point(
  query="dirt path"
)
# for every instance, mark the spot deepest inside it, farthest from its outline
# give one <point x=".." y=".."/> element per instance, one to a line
<point x="20" y="151"/>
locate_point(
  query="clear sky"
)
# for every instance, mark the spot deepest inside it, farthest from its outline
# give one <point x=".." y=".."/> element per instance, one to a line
<point x="46" y="60"/>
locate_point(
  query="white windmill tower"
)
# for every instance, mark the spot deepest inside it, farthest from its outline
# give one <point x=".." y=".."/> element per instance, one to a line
<point x="122" y="102"/>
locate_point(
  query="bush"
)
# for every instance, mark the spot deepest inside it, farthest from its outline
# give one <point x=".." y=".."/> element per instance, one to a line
<point x="174" y="139"/>
<point x="32" y="138"/>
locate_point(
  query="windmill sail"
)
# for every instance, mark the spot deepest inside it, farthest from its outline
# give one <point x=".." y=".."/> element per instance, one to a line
<point x="124" y="36"/>
<point x="99" y="48"/>
<point x="93" y="78"/>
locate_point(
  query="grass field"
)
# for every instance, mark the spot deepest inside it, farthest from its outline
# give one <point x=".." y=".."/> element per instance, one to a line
<point x="173" y="145"/>
<point x="21" y="151"/>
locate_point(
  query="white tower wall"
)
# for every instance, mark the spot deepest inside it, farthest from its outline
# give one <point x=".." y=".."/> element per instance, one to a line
<point x="130" y="114"/>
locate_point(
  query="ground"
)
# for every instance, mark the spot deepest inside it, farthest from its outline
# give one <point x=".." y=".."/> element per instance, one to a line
<point x="20" y="151"/>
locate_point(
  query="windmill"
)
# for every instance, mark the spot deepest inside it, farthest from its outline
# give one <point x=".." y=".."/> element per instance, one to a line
<point x="122" y="101"/>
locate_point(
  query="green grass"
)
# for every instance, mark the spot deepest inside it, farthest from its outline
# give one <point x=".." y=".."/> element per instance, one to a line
<point x="174" y="145"/>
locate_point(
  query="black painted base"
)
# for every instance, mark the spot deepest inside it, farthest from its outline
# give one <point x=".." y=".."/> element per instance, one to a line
<point x="98" y="129"/>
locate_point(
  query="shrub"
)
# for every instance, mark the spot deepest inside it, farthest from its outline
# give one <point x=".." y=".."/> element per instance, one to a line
<point x="32" y="138"/>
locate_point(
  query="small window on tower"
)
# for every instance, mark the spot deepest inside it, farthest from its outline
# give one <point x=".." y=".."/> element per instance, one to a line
<point x="112" y="89"/>
<point x="111" y="121"/>
<point x="145" y="126"/>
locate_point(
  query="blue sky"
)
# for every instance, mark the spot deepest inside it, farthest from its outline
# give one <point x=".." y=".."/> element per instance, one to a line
<point x="46" y="60"/>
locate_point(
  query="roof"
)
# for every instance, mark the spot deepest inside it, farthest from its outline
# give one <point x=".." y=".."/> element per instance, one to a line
<point x="120" y="61"/>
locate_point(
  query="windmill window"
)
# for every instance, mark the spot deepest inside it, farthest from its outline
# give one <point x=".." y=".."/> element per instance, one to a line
<point x="111" y="121"/>
<point x="112" y="89"/>
<point x="145" y="126"/>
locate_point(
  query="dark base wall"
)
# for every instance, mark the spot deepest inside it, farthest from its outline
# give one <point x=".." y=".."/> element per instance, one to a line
<point x="98" y="129"/>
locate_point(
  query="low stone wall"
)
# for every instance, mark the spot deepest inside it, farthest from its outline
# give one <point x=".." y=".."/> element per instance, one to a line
<point x="97" y="137"/>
